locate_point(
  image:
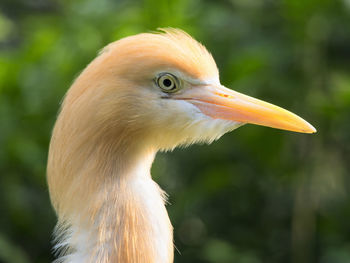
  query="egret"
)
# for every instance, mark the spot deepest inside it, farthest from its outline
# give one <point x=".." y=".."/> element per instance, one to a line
<point x="142" y="94"/>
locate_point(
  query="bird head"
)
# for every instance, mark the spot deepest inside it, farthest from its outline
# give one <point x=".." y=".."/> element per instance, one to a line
<point x="144" y="93"/>
<point x="164" y="88"/>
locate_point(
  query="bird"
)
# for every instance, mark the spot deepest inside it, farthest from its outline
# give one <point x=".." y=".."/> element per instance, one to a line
<point x="142" y="94"/>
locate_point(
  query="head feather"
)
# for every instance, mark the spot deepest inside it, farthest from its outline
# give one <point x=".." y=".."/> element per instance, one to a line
<point x="170" y="47"/>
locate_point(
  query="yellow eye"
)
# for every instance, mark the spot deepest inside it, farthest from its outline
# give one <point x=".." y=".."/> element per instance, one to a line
<point x="168" y="82"/>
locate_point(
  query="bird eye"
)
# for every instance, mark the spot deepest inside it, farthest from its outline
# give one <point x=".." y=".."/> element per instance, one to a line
<point x="168" y="82"/>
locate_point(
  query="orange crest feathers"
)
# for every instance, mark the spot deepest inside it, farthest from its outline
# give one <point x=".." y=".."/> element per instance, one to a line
<point x="169" y="48"/>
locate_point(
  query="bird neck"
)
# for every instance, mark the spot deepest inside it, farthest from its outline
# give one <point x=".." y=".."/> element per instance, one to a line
<point x="116" y="211"/>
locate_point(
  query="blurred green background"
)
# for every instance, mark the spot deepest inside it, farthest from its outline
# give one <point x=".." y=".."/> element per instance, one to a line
<point x="257" y="194"/>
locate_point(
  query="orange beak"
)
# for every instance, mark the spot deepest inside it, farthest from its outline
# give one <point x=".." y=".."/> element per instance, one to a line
<point x="222" y="103"/>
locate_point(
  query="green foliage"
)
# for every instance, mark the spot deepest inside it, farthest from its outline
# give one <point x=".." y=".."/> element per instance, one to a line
<point x="256" y="195"/>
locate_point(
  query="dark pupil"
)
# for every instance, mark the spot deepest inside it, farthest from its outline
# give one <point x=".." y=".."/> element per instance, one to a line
<point x="167" y="83"/>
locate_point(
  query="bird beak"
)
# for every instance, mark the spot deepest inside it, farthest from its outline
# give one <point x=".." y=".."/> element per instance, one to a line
<point x="219" y="102"/>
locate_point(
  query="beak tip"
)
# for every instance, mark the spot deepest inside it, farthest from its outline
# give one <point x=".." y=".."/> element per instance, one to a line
<point x="310" y="129"/>
<point x="314" y="131"/>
